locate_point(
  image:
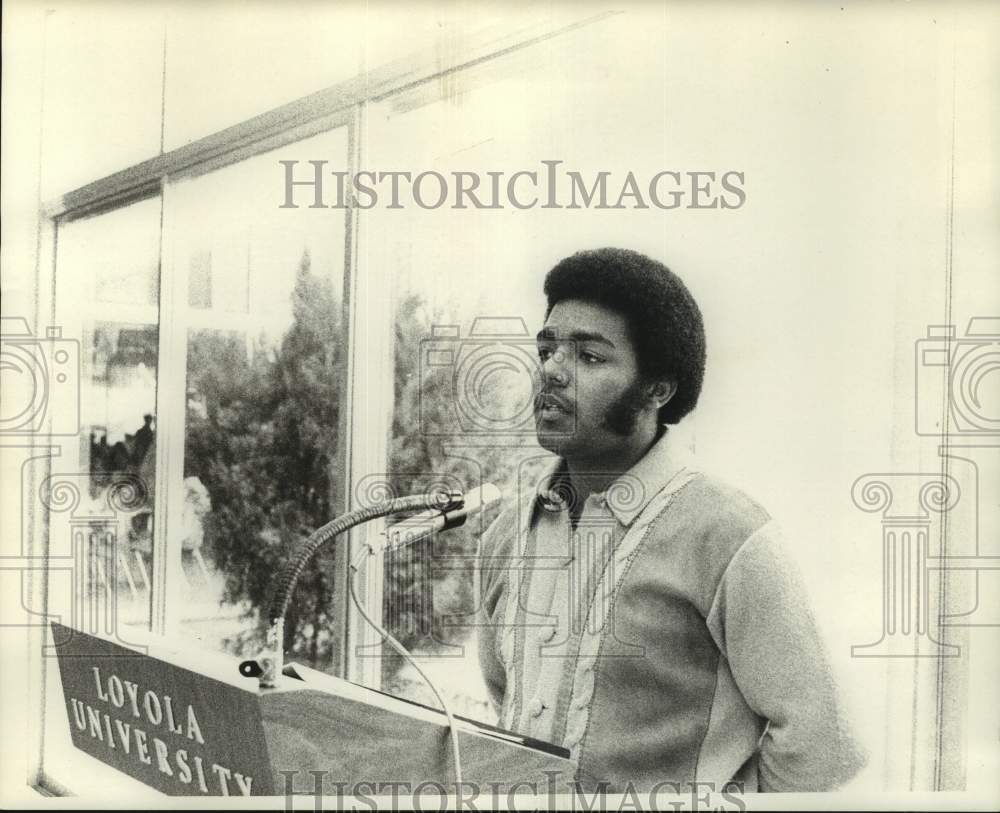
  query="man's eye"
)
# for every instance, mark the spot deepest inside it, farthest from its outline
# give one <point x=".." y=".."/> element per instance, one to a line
<point x="544" y="353"/>
<point x="591" y="358"/>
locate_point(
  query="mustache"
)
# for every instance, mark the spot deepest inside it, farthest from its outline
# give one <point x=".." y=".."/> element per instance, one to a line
<point x="546" y="397"/>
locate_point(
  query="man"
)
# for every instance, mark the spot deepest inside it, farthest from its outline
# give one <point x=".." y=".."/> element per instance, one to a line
<point x="638" y="611"/>
<point x="143" y="440"/>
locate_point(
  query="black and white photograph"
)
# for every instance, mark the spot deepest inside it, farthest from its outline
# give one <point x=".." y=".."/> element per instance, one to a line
<point x="467" y="405"/>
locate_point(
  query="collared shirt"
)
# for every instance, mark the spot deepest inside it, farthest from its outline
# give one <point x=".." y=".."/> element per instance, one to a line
<point x="567" y="560"/>
<point x="667" y="638"/>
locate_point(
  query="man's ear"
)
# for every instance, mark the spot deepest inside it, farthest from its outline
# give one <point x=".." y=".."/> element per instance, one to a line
<point x="660" y="392"/>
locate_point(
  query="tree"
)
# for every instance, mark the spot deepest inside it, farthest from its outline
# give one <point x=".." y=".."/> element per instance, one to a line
<point x="262" y="436"/>
<point x="426" y="589"/>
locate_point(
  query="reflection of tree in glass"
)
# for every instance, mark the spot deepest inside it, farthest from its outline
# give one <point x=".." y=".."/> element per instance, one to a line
<point x="428" y="592"/>
<point x="413" y="588"/>
<point x="262" y="437"/>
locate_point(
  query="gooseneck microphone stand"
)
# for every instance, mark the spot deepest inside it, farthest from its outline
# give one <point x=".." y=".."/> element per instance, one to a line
<point x="435" y="511"/>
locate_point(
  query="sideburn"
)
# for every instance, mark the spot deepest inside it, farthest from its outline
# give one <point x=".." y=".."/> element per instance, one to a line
<point x="623" y="415"/>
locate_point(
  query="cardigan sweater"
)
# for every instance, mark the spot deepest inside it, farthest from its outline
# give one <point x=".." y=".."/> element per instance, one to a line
<point x="686" y="652"/>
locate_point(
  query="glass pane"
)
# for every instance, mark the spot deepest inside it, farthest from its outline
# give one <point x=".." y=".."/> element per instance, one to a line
<point x="265" y="354"/>
<point x="467" y="308"/>
<point x="534" y="133"/>
<point x="568" y="112"/>
<point x="100" y="491"/>
<point x="107" y="294"/>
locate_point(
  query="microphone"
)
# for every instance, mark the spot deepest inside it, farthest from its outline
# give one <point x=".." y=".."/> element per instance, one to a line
<point x="418" y="526"/>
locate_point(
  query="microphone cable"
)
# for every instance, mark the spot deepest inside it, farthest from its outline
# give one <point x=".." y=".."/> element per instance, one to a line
<point x="290" y="575"/>
<point x="386" y="635"/>
<point x="272" y="665"/>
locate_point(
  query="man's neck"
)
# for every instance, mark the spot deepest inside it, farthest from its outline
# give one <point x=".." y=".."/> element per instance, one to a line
<point x="589" y="476"/>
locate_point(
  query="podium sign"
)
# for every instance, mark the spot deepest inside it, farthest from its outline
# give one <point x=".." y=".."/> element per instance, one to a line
<point x="178" y="731"/>
<point x="186" y="733"/>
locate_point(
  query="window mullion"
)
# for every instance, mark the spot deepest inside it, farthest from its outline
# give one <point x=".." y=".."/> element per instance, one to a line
<point x="168" y="505"/>
<point x="35" y="524"/>
<point x="370" y="396"/>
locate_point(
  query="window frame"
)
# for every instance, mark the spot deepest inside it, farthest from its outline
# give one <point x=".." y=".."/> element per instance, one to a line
<point x="342" y="105"/>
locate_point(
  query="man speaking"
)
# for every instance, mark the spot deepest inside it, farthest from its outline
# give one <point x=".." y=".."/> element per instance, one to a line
<point x="638" y="611"/>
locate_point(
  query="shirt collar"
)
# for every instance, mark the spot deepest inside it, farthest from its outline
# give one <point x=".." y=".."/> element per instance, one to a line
<point x="629" y="493"/>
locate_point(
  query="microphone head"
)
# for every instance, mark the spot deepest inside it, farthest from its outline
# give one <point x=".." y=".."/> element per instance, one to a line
<point x="417" y="527"/>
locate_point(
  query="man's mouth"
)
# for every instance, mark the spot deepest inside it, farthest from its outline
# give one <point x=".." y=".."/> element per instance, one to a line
<point x="551" y="406"/>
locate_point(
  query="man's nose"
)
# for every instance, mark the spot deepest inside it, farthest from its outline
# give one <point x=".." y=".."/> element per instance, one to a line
<point x="554" y="368"/>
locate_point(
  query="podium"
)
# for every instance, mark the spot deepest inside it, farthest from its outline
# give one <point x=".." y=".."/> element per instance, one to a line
<point x="189" y="725"/>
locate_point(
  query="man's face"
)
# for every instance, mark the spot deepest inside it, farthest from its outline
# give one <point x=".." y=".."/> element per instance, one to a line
<point x="591" y="394"/>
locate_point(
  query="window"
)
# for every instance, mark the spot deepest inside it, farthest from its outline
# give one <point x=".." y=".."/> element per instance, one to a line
<point x="100" y="493"/>
<point x="107" y="292"/>
<point x="250" y="371"/>
<point x="231" y="362"/>
<point x="262" y="312"/>
<point x="217" y="346"/>
<point x="467" y="301"/>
